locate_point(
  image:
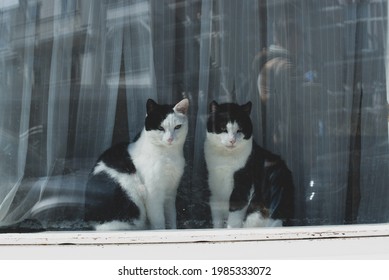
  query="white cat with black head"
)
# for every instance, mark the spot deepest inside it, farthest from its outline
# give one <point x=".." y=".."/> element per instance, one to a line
<point x="250" y="186"/>
<point x="134" y="186"/>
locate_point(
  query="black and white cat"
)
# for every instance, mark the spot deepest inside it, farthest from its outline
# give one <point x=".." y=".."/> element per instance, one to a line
<point x="250" y="186"/>
<point x="134" y="186"/>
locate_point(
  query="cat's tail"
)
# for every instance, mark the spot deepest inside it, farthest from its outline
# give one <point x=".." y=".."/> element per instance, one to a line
<point x="256" y="219"/>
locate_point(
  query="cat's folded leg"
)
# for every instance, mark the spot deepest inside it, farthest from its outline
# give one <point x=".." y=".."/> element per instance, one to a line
<point x="256" y="219"/>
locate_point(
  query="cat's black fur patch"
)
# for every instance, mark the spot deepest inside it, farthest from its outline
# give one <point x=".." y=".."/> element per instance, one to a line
<point x="118" y="158"/>
<point x="272" y="181"/>
<point x="105" y="201"/>
<point x="221" y="114"/>
<point x="156" y="113"/>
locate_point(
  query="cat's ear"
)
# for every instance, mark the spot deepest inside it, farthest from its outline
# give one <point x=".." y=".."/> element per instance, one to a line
<point x="150" y="105"/>
<point x="213" y="107"/>
<point x="246" y="107"/>
<point x="182" y="106"/>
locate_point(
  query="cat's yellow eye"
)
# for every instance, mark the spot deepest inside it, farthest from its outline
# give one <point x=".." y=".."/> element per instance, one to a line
<point x="160" y="128"/>
<point x="178" y="126"/>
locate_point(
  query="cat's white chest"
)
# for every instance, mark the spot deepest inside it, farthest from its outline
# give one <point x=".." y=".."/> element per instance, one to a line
<point x="165" y="169"/>
<point x="158" y="168"/>
<point x="221" y="168"/>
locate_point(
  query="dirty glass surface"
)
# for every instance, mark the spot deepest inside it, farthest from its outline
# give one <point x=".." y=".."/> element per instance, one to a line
<point x="75" y="75"/>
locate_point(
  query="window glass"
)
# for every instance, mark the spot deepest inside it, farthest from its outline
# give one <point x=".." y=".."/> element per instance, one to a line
<point x="75" y="77"/>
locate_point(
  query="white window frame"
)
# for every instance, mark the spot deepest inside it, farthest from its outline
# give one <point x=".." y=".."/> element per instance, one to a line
<point x="318" y="242"/>
<point x="369" y="241"/>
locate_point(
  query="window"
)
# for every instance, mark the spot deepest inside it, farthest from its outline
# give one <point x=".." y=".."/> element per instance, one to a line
<point x="75" y="77"/>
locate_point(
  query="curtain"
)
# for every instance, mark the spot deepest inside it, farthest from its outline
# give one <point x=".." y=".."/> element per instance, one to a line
<point x="75" y="76"/>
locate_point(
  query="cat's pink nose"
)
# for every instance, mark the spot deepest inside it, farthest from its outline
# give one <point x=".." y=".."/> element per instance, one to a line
<point x="170" y="140"/>
<point x="233" y="141"/>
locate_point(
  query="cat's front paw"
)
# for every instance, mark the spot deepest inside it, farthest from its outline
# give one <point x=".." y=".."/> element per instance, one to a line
<point x="157" y="227"/>
<point x="256" y="219"/>
<point x="235" y="219"/>
<point x="218" y="223"/>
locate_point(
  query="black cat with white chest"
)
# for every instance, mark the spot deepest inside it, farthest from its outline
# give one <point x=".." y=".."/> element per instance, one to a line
<point x="134" y="186"/>
<point x="250" y="186"/>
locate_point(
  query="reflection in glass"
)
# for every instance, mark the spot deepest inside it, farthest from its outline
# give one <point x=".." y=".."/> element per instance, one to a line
<point x="75" y="75"/>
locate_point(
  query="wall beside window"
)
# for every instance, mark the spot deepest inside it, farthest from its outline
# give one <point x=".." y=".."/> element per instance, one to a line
<point x="75" y="76"/>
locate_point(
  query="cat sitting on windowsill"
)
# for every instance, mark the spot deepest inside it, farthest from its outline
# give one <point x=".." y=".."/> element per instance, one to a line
<point x="134" y="186"/>
<point x="249" y="186"/>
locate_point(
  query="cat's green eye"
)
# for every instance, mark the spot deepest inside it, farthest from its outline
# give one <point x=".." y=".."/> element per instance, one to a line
<point x="239" y="131"/>
<point x="161" y="128"/>
<point x="178" y="126"/>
